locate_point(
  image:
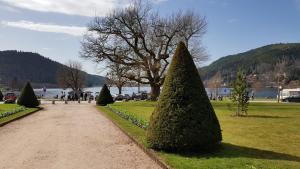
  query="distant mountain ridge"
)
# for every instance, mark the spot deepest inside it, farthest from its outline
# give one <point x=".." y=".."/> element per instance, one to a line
<point x="17" y="67"/>
<point x="260" y="62"/>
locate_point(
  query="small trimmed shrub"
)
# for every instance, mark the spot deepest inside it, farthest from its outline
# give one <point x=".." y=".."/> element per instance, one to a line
<point x="184" y="119"/>
<point x="104" y="97"/>
<point x="1" y="96"/>
<point x="27" y="97"/>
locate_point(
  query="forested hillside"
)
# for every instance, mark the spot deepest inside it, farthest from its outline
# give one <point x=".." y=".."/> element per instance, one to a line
<point x="263" y="63"/>
<point x="16" y="67"/>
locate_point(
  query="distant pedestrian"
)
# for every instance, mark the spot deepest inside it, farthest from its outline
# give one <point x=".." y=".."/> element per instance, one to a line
<point x="81" y="95"/>
<point x="44" y="91"/>
<point x="252" y="95"/>
<point x="85" y="96"/>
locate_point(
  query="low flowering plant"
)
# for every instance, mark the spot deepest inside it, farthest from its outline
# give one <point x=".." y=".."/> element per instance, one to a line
<point x="14" y="111"/>
<point x="138" y="122"/>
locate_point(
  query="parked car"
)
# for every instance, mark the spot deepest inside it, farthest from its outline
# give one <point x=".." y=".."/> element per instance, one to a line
<point x="140" y="96"/>
<point x="118" y="97"/>
<point x="291" y="99"/>
<point x="10" y="98"/>
<point x="127" y="97"/>
<point x="92" y="97"/>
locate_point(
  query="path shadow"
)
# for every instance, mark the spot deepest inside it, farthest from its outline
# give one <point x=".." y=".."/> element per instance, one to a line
<point x="234" y="151"/>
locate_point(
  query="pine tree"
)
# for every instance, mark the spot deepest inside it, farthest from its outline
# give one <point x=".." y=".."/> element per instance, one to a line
<point x="27" y="97"/>
<point x="184" y="118"/>
<point x="104" y="97"/>
<point x="239" y="95"/>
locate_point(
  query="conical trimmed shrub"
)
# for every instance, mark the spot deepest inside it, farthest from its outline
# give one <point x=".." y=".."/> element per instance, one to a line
<point x="27" y="97"/>
<point x="184" y="119"/>
<point x="104" y="97"/>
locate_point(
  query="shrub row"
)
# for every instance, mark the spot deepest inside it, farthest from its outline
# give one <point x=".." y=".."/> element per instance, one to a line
<point x="134" y="120"/>
<point x="16" y="110"/>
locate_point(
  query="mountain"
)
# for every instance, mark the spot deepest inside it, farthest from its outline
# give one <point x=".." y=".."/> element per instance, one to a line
<point x="262" y="63"/>
<point x="17" y="67"/>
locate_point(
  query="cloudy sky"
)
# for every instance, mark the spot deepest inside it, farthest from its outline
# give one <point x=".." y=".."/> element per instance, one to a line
<point x="54" y="28"/>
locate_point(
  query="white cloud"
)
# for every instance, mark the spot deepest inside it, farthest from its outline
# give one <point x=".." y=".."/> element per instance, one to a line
<point x="46" y="27"/>
<point x="158" y="1"/>
<point x="72" y="7"/>
<point x="8" y="8"/>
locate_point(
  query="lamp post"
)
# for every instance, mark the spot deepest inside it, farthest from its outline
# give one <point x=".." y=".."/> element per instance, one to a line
<point x="279" y="93"/>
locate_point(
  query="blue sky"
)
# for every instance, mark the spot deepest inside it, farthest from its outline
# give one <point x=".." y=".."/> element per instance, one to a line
<point x="54" y="28"/>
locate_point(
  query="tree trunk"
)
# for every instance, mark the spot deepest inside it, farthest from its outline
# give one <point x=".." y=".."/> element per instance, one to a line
<point x="278" y="90"/>
<point x="155" y="91"/>
<point x="120" y="90"/>
<point x="139" y="88"/>
<point x="238" y="110"/>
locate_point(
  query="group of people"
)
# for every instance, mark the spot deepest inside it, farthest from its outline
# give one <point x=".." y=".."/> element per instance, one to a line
<point x="219" y="97"/>
<point x="73" y="96"/>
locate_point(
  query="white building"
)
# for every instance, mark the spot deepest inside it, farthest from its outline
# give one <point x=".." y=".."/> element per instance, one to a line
<point x="284" y="93"/>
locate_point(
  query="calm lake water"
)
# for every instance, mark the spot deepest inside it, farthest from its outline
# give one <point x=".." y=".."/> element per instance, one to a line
<point x="50" y="93"/>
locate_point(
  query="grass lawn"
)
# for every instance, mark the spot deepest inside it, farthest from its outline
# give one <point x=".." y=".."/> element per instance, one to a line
<point x="10" y="107"/>
<point x="269" y="138"/>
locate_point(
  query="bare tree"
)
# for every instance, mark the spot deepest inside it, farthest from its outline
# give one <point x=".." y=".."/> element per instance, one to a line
<point x="257" y="85"/>
<point x="71" y="76"/>
<point x="117" y="75"/>
<point x="137" y="37"/>
<point x="215" y="83"/>
<point x="15" y="84"/>
<point x="280" y="74"/>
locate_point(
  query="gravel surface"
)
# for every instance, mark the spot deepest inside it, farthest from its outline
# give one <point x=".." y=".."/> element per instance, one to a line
<point x="72" y="136"/>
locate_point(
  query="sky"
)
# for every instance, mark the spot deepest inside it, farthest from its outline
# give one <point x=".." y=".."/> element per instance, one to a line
<point x="54" y="28"/>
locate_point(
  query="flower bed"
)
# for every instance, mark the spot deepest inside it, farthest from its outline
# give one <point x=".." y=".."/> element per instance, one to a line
<point x="14" y="111"/>
<point x="134" y="120"/>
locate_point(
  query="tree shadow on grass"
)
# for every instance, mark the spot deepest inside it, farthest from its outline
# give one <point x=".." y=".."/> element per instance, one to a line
<point x="267" y="117"/>
<point x="234" y="151"/>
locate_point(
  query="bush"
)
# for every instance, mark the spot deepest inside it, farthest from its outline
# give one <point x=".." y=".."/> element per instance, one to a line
<point x="1" y="96"/>
<point x="184" y="119"/>
<point x="239" y="94"/>
<point x="104" y="97"/>
<point x="27" y="97"/>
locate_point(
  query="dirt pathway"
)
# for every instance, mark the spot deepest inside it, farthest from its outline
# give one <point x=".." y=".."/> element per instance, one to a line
<point x="73" y="136"/>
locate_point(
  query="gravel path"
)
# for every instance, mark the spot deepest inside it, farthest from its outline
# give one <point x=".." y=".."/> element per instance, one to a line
<point x="73" y="136"/>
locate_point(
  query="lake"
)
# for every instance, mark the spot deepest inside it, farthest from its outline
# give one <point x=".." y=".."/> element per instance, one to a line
<point x="50" y="93"/>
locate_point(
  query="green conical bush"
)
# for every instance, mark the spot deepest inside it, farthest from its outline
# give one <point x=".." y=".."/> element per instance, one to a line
<point x="27" y="97"/>
<point x="184" y="119"/>
<point x="104" y="97"/>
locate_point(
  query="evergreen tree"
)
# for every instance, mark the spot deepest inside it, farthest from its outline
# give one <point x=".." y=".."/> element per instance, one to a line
<point x="239" y="94"/>
<point x="184" y="118"/>
<point x="104" y="97"/>
<point x="1" y="96"/>
<point x="27" y="97"/>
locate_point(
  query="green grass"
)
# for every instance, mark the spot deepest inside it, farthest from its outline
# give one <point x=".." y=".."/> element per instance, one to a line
<point x="9" y="107"/>
<point x="269" y="138"/>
